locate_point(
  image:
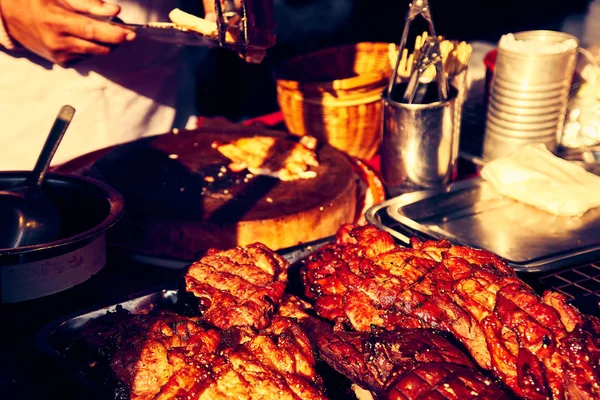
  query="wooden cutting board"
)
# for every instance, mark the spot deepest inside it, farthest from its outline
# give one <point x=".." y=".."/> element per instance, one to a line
<point x="181" y="200"/>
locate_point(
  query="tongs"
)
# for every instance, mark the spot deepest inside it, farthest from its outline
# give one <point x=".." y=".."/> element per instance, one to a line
<point x="229" y="16"/>
<point x="254" y="20"/>
<point x="432" y="52"/>
<point x="167" y="32"/>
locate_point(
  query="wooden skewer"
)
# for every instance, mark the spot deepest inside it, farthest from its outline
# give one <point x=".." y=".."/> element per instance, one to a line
<point x="455" y="57"/>
<point x="409" y="64"/>
<point x="403" y="61"/>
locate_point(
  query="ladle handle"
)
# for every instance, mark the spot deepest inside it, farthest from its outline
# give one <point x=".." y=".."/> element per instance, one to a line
<point x="55" y="136"/>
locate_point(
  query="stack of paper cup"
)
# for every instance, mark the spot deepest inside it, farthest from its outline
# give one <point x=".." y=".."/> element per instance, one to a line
<point x="530" y="90"/>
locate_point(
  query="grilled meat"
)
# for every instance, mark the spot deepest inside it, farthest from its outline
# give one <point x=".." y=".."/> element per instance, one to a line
<point x="277" y="157"/>
<point x="238" y="287"/>
<point x="167" y="356"/>
<point x="147" y="353"/>
<point x="401" y="364"/>
<point x="540" y="347"/>
<point x="236" y="349"/>
<point x="441" y="380"/>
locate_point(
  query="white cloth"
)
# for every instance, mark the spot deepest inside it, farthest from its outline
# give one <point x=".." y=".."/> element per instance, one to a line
<point x="535" y="176"/>
<point x="130" y="93"/>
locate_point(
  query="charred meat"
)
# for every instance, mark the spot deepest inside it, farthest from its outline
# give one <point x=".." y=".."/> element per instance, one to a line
<point x="540" y="347"/>
<point x="169" y="356"/>
<point x="402" y="364"/>
<point x="238" y="287"/>
<point x="236" y="348"/>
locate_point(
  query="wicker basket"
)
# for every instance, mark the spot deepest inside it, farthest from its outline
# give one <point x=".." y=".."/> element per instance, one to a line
<point x="335" y="95"/>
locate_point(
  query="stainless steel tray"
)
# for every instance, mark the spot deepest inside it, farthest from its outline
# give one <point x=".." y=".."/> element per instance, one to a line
<point x="55" y="338"/>
<point x="471" y="213"/>
<point x="291" y="254"/>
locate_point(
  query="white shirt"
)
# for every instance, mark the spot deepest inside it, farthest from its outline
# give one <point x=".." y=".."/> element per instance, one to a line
<point x="131" y="92"/>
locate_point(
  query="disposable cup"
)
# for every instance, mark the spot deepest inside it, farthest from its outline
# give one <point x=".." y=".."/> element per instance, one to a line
<point x="535" y="118"/>
<point x="529" y="87"/>
<point x="537" y="68"/>
<point x="529" y="94"/>
<point x="540" y="105"/>
<point x="496" y="145"/>
<point x="529" y="111"/>
<point x="521" y="126"/>
<point x="523" y="95"/>
<point x="525" y="134"/>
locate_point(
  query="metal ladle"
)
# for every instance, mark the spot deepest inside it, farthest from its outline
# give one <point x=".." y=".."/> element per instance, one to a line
<point x="27" y="215"/>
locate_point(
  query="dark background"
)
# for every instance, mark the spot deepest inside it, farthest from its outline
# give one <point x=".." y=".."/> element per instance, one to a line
<point x="229" y="87"/>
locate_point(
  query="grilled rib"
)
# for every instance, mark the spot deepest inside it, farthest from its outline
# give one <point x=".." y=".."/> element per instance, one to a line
<point x="402" y="364"/>
<point x="167" y="356"/>
<point x="235" y="349"/>
<point x="148" y="353"/>
<point x="540" y="347"/>
<point x="238" y="287"/>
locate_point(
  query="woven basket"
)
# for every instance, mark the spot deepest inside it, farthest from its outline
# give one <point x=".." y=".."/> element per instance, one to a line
<point x="335" y="95"/>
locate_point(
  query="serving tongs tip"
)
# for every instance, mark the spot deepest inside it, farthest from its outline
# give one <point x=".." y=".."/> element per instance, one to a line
<point x="429" y="54"/>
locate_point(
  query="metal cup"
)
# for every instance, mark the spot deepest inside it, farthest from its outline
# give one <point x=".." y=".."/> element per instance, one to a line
<point x="420" y="143"/>
<point x="526" y="86"/>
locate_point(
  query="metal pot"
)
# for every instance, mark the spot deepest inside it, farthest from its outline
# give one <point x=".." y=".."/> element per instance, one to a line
<point x="87" y="208"/>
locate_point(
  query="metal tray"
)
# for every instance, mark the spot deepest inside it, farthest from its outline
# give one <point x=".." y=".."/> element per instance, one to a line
<point x="55" y="338"/>
<point x="471" y="213"/>
<point x="291" y="254"/>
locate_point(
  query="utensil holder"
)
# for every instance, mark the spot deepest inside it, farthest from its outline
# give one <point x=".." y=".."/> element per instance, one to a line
<point x="420" y="143"/>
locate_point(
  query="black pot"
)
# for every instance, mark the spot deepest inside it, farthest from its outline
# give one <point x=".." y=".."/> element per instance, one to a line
<point x="87" y="208"/>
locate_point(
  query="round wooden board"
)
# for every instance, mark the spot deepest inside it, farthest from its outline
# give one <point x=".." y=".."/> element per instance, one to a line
<point x="173" y="212"/>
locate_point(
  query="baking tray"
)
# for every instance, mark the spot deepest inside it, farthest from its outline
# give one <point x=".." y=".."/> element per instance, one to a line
<point x="472" y="213"/>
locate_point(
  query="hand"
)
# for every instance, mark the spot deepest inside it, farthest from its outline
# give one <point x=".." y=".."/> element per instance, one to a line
<point x="54" y="30"/>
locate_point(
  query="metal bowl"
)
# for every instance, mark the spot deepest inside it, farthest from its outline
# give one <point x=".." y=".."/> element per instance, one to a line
<point x="87" y="208"/>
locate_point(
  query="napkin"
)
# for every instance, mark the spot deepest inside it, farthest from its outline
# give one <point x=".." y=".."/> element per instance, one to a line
<point x="535" y="176"/>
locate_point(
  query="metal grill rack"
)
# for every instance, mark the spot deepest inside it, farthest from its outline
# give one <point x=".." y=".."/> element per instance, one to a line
<point x="576" y="282"/>
<point x="581" y="285"/>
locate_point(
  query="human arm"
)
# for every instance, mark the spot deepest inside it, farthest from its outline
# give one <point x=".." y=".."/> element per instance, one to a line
<point x="55" y="30"/>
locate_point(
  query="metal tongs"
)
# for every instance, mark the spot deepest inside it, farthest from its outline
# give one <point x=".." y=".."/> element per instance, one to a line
<point x="429" y="54"/>
<point x="229" y="16"/>
<point x="255" y="21"/>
